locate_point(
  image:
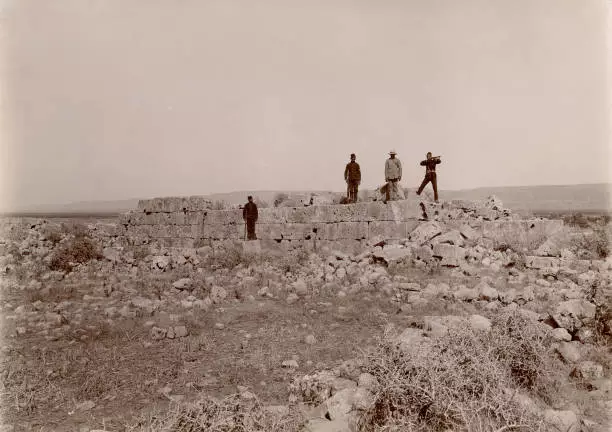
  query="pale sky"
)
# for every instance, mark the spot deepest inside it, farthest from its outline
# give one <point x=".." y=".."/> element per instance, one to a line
<point x="117" y="99"/>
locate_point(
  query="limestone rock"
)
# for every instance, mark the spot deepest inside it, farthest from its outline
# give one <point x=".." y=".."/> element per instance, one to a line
<point x="573" y="314"/>
<point x="562" y="421"/>
<point x="465" y="294"/>
<point x="451" y="256"/>
<point x="183" y="284"/>
<point x="570" y="351"/>
<point x="588" y="370"/>
<point x="158" y="333"/>
<point x="561" y="334"/>
<point x="486" y="292"/>
<point x="425" y="232"/>
<point x="392" y="255"/>
<point x="367" y="381"/>
<point x="478" y="322"/>
<point x="217" y="294"/>
<point x="469" y="233"/>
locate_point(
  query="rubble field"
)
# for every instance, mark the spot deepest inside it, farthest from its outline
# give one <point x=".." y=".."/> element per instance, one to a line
<point x="410" y="316"/>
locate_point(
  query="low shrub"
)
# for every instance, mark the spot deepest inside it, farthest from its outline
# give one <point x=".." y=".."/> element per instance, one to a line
<point x="52" y="234"/>
<point x="233" y="413"/>
<point x="78" y="250"/>
<point x="594" y="244"/>
<point x="467" y="380"/>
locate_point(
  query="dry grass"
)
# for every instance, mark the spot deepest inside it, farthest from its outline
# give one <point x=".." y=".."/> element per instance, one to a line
<point x="230" y="414"/>
<point x="57" y="292"/>
<point x="466" y="381"/>
<point x="524" y="242"/>
<point x="593" y="244"/>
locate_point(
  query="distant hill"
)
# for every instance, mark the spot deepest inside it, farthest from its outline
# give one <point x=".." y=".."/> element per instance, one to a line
<point x="577" y="198"/>
<point x="588" y="197"/>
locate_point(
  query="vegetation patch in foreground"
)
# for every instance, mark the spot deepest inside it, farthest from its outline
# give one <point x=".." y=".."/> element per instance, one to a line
<point x="468" y="380"/>
<point x="78" y="250"/>
<point x="234" y="413"/>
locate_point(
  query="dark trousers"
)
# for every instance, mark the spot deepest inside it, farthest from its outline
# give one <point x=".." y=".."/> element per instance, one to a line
<point x="430" y="177"/>
<point x="250" y="224"/>
<point x="351" y="192"/>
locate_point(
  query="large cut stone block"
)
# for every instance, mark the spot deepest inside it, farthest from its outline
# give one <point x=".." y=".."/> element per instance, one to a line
<point x="352" y="231"/>
<point x="197" y="204"/>
<point x="299" y="215"/>
<point x="341" y="231"/>
<point x="174" y="204"/>
<point x="218" y="217"/>
<point x="181" y="243"/>
<point x="294" y="231"/>
<point x="220" y="232"/>
<point x="274" y="215"/>
<point x="536" y="262"/>
<point x="425" y="232"/>
<point x="389" y="229"/>
<point x="451" y="255"/>
<point x="109" y="229"/>
<point x="132" y="218"/>
<point x="340" y="213"/>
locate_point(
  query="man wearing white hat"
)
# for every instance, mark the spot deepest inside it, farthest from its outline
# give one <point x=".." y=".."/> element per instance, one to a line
<point x="393" y="175"/>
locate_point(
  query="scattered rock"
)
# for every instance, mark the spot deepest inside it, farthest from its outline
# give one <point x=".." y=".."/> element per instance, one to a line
<point x="217" y="294"/>
<point x="158" y="333"/>
<point x="478" y="322"/>
<point x="310" y="340"/>
<point x="562" y="421"/>
<point x="300" y="287"/>
<point x="367" y="381"/>
<point x="485" y="292"/>
<point x="561" y="334"/>
<point x="573" y="314"/>
<point x="588" y="370"/>
<point x="465" y="294"/>
<point x="183" y="284"/>
<point x="86" y="406"/>
<point x="291" y="364"/>
<point x="292" y="298"/>
<point x="570" y="351"/>
<point x="425" y="232"/>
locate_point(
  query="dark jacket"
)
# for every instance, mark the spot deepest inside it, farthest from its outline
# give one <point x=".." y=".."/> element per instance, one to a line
<point x="250" y="211"/>
<point x="352" y="172"/>
<point x="430" y="165"/>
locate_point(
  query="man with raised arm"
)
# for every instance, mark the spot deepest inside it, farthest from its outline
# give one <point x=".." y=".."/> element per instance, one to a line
<point x="430" y="174"/>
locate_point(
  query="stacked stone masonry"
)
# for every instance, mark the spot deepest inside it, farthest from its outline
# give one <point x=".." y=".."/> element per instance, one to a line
<point x="191" y="221"/>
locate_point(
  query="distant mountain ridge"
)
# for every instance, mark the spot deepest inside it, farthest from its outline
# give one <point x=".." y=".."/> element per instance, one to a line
<point x="585" y="197"/>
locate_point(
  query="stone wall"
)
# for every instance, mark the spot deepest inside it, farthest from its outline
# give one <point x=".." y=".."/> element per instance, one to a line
<point x="190" y="222"/>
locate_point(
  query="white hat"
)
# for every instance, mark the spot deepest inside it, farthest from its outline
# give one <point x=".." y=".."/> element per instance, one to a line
<point x="392" y="152"/>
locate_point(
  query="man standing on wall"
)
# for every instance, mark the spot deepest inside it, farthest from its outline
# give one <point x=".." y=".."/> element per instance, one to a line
<point x="250" y="215"/>
<point x="352" y="176"/>
<point x="430" y="174"/>
<point x="393" y="175"/>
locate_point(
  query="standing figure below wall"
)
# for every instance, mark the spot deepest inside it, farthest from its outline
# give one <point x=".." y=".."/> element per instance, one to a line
<point x="250" y="215"/>
<point x="352" y="176"/>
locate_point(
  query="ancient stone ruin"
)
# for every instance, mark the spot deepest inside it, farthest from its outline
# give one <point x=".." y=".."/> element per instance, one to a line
<point x="190" y="222"/>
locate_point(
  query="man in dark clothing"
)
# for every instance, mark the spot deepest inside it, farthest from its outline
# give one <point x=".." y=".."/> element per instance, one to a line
<point x="430" y="174"/>
<point x="352" y="176"/>
<point x="250" y="215"/>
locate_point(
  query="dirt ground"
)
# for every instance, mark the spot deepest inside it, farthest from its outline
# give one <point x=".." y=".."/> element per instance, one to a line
<point x="123" y="371"/>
